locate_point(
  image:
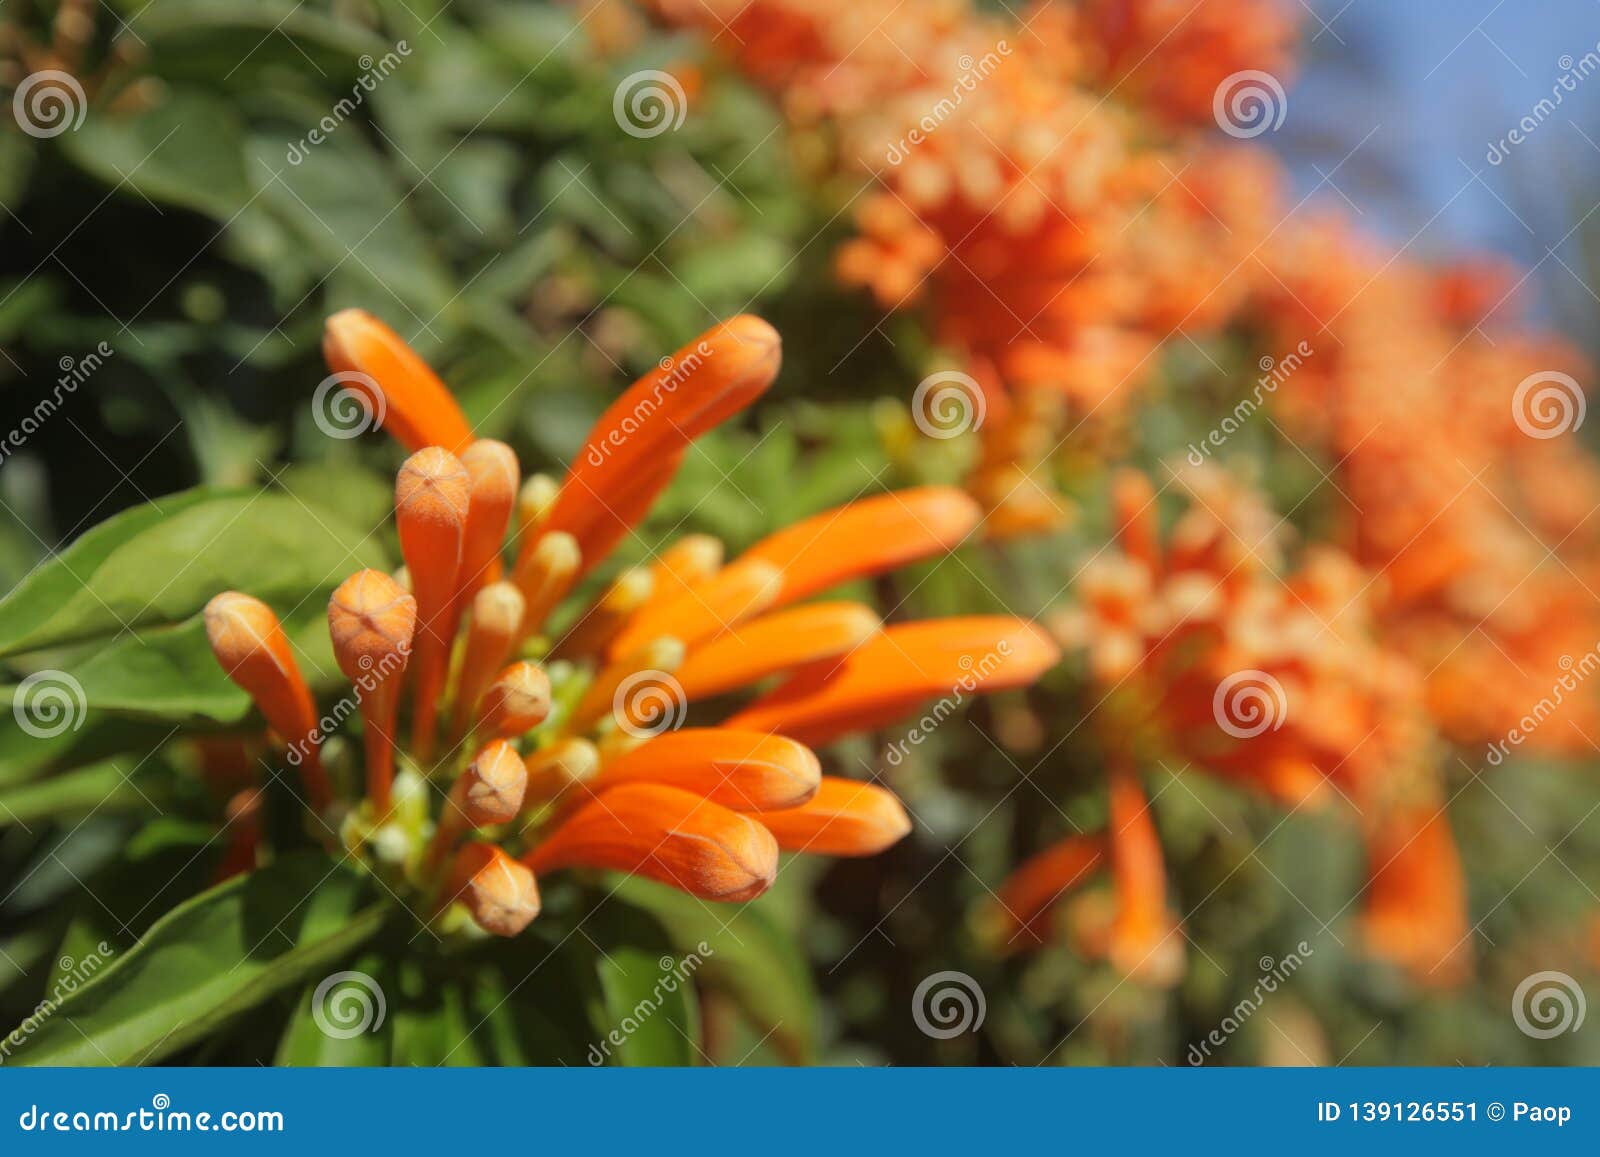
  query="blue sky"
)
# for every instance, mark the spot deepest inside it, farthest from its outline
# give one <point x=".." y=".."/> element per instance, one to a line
<point x="1398" y="104"/>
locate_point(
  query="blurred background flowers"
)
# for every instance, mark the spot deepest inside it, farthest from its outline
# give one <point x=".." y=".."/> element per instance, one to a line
<point x="1260" y="331"/>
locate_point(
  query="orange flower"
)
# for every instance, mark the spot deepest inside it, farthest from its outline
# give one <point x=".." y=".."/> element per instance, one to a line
<point x="592" y="772"/>
<point x="250" y="646"/>
<point x="396" y="384"/>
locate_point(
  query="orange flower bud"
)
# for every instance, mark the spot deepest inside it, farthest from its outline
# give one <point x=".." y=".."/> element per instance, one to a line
<point x="544" y="574"/>
<point x="501" y="893"/>
<point x="398" y="386"/>
<point x="690" y="560"/>
<point x="743" y="770"/>
<point x="490" y="791"/>
<point x="431" y="497"/>
<point x="1145" y="942"/>
<point x="372" y="621"/>
<point x="844" y="818"/>
<point x="497" y="612"/>
<point x="249" y="644"/>
<point x="495" y="475"/>
<point x="516" y="702"/>
<point x="671" y="836"/>
<point x="780" y="641"/>
<point x="865" y="537"/>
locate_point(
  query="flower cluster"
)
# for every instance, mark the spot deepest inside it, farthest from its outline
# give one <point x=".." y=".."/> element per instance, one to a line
<point x="540" y="736"/>
<point x="1054" y="193"/>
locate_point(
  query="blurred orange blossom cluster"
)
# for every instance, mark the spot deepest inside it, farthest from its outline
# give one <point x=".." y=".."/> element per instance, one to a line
<point x="1053" y="192"/>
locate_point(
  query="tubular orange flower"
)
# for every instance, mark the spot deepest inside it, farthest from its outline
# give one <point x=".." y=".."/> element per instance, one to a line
<point x="1024" y="901"/>
<point x="490" y="791"/>
<point x="1145" y="942"/>
<point x="414" y="404"/>
<point x="891" y="673"/>
<point x="865" y="537"/>
<point x="702" y="384"/>
<point x="707" y="609"/>
<point x="517" y="700"/>
<point x="1415" y="915"/>
<point x="544" y="574"/>
<point x="565" y="763"/>
<point x="669" y="835"/>
<point x="781" y="641"/>
<point x="494" y="479"/>
<point x="372" y="622"/>
<point x="748" y="771"/>
<point x="501" y="893"/>
<point x="623" y="599"/>
<point x="431" y="496"/>
<point x="843" y="818"/>
<point x="250" y="646"/>
<point x="497" y="612"/>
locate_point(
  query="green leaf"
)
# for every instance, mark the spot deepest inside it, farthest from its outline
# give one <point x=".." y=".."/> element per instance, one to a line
<point x="357" y="1011"/>
<point x="744" y="953"/>
<point x="646" y="1012"/>
<point x="170" y="674"/>
<point x="101" y="788"/>
<point x="187" y="149"/>
<point x="161" y="562"/>
<point x="219" y="954"/>
<point x="24" y="757"/>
